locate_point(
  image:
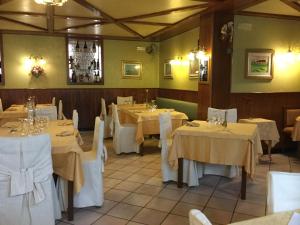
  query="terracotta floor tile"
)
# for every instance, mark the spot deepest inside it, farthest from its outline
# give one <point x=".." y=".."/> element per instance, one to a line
<point x="128" y="186"/>
<point x="137" y="199"/>
<point x="183" y="209"/>
<point x="119" y="175"/>
<point x="195" y="199"/>
<point x="110" y="220"/>
<point x="83" y="217"/>
<point x="175" y="220"/>
<point x="124" y="211"/>
<point x="138" y="178"/>
<point x="250" y="208"/>
<point x="222" y="204"/>
<point x="150" y="217"/>
<point x="218" y="216"/>
<point x="173" y="194"/>
<point x="111" y="182"/>
<point x="107" y="205"/>
<point x="161" y="204"/>
<point x="240" y="217"/>
<point x="116" y="195"/>
<point x="148" y="189"/>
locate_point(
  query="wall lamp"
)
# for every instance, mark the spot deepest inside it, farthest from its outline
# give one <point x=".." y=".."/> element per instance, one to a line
<point x="35" y="64"/>
<point x="177" y="61"/>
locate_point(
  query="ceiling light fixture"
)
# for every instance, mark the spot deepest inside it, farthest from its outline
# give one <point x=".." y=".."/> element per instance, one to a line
<point x="51" y="2"/>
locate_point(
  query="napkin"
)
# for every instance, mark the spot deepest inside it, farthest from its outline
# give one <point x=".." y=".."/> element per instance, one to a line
<point x="192" y="124"/>
<point x="65" y="133"/>
<point x="295" y="220"/>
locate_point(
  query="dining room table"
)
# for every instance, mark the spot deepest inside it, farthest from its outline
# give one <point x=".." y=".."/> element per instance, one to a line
<point x="268" y="131"/>
<point x="147" y="121"/>
<point x="66" y="152"/>
<point x="280" y="218"/>
<point x="237" y="144"/>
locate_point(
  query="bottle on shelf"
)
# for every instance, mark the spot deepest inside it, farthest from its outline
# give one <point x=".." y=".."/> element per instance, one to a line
<point x="94" y="47"/>
<point x="98" y="65"/>
<point x="73" y="77"/>
<point x="77" y="48"/>
<point x="85" y="48"/>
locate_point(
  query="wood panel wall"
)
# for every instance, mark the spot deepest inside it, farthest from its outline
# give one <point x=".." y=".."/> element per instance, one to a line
<point x="86" y="101"/>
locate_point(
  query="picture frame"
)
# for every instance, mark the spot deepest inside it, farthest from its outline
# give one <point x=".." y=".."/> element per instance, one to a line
<point x="131" y="69"/>
<point x="194" y="68"/>
<point x="259" y="64"/>
<point x="168" y="73"/>
<point x="204" y="71"/>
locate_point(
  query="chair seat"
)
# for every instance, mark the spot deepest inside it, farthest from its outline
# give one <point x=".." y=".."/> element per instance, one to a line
<point x="288" y="130"/>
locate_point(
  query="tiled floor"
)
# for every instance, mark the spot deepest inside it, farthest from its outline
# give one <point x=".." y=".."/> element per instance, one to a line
<point x="134" y="193"/>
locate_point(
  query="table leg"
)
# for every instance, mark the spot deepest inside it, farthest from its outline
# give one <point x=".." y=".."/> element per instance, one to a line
<point x="269" y="150"/>
<point x="244" y="184"/>
<point x="70" y="201"/>
<point x="180" y="173"/>
<point x="142" y="149"/>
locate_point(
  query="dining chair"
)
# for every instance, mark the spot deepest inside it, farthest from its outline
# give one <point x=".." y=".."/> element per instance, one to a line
<point x="61" y="115"/>
<point x="53" y="101"/>
<point x="192" y="170"/>
<point x="107" y="119"/>
<point x="1" y="106"/>
<point x="75" y="118"/>
<point x="123" y="134"/>
<point x="231" y="116"/>
<point x="91" y="193"/>
<point x="196" y="217"/>
<point x="48" y="111"/>
<point x="124" y="100"/>
<point x="27" y="192"/>
<point x="283" y="191"/>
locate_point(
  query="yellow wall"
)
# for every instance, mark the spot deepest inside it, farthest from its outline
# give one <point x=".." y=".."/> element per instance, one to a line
<point x="267" y="33"/>
<point x="178" y="46"/>
<point x="53" y="49"/>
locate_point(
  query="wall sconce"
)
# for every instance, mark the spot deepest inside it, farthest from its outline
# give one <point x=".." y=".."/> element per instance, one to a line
<point x="35" y="64"/>
<point x="177" y="61"/>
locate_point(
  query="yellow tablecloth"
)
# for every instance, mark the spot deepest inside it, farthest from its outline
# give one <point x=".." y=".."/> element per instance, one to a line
<point x="129" y="107"/>
<point x="238" y="144"/>
<point x="296" y="130"/>
<point x="281" y="218"/>
<point x="267" y="129"/>
<point x="66" y="152"/>
<point x="148" y="121"/>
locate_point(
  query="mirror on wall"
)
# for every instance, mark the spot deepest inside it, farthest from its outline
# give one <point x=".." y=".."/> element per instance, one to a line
<point x="85" y="63"/>
<point x="1" y="62"/>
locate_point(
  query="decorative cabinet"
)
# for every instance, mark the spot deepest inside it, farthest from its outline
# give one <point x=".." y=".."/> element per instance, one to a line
<point x="84" y="61"/>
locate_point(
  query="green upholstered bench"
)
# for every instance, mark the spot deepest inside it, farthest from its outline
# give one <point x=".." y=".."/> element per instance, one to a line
<point x="189" y="108"/>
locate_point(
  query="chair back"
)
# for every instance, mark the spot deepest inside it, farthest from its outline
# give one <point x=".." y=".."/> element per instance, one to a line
<point x="53" y="101"/>
<point x="27" y="161"/>
<point x="165" y="125"/>
<point x="48" y="111"/>
<point x="75" y="118"/>
<point x="103" y="108"/>
<point x="98" y="136"/>
<point x="283" y="191"/>
<point x="1" y="106"/>
<point x="115" y="115"/>
<point x="60" y="110"/>
<point x="196" y="217"/>
<point x="124" y="100"/>
<point x="231" y="114"/>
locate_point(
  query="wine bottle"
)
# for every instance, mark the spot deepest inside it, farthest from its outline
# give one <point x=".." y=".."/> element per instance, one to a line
<point x="77" y="47"/>
<point x="85" y="48"/>
<point x="98" y="64"/>
<point x="73" y="76"/>
<point x="94" y="47"/>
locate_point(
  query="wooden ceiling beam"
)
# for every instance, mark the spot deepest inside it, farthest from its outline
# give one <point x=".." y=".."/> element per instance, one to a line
<point x="81" y="26"/>
<point x="268" y="15"/>
<point x="50" y="18"/>
<point x="79" y="17"/>
<point x="93" y="8"/>
<point x="165" y="12"/>
<point x="150" y="23"/>
<point x="292" y="4"/>
<point x="247" y="4"/>
<point x="23" y="23"/>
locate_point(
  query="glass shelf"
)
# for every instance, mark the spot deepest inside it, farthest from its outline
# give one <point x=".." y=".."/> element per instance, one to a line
<point x="84" y="61"/>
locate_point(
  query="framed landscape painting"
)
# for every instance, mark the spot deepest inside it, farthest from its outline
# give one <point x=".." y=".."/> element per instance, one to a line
<point x="131" y="70"/>
<point x="259" y="64"/>
<point x="168" y="70"/>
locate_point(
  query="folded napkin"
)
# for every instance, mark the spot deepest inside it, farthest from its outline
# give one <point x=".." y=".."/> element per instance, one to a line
<point x="11" y="125"/>
<point x="192" y="124"/>
<point x="65" y="133"/>
<point x="65" y="123"/>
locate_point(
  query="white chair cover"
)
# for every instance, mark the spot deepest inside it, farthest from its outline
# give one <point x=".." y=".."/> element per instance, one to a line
<point x="106" y="118"/>
<point x="1" y="106"/>
<point x="220" y="113"/>
<point x="61" y="115"/>
<point x="124" y="100"/>
<point x="192" y="170"/>
<point x="196" y="217"/>
<point x="26" y="189"/>
<point x="49" y="111"/>
<point x="123" y="135"/>
<point x="283" y="191"/>
<point x="53" y="101"/>
<point x="75" y="119"/>
<point x="215" y="169"/>
<point x="91" y="194"/>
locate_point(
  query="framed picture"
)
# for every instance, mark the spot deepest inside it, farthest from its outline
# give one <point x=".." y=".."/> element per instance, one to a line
<point x="259" y="64"/>
<point x="168" y="70"/>
<point x="203" y="72"/>
<point x="131" y="70"/>
<point x="194" y="68"/>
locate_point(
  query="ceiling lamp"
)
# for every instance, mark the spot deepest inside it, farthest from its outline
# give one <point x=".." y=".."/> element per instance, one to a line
<point x="51" y="2"/>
